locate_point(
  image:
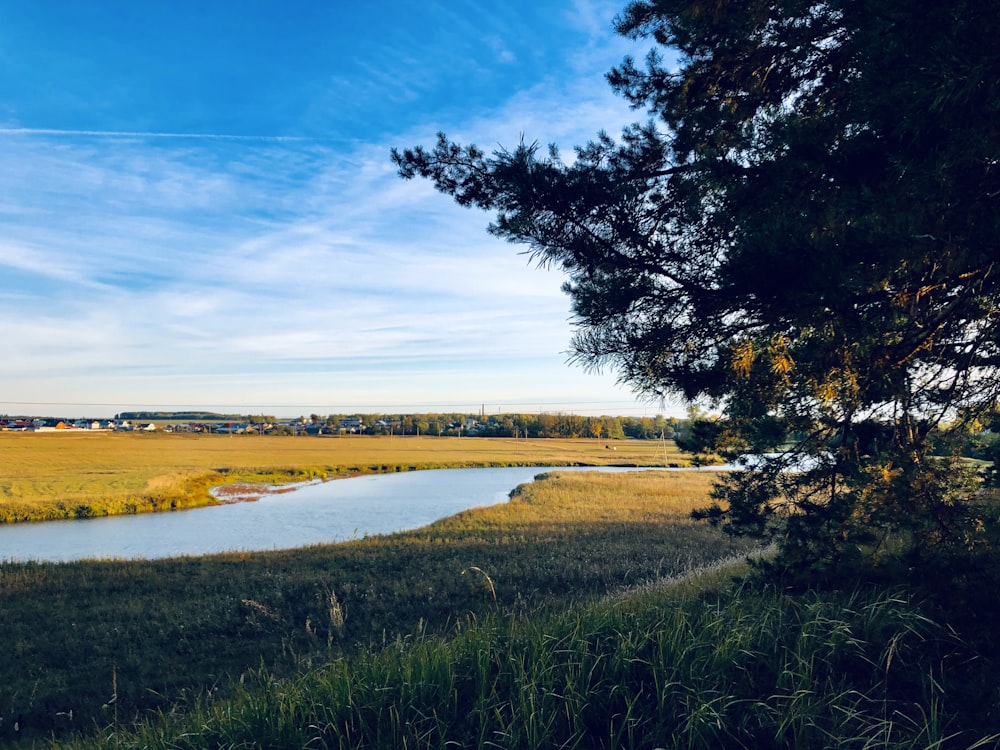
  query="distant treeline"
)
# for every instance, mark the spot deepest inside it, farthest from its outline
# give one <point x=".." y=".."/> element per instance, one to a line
<point x="506" y="425"/>
<point x="452" y="423"/>
<point x="188" y="416"/>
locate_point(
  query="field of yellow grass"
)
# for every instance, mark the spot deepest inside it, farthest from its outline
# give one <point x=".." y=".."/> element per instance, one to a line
<point x="47" y="476"/>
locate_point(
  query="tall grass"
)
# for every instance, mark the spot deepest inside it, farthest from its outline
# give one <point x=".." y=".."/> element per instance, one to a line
<point x="727" y="669"/>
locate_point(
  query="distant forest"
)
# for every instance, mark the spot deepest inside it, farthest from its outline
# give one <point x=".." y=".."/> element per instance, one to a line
<point x="191" y="416"/>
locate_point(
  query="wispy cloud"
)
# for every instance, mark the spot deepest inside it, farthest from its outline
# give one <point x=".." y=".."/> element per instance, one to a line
<point x="44" y="263"/>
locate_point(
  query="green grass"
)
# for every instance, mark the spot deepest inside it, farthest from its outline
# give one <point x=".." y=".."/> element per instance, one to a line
<point x="720" y="669"/>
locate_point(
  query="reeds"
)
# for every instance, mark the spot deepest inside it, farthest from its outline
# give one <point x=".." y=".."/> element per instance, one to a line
<point x="740" y="669"/>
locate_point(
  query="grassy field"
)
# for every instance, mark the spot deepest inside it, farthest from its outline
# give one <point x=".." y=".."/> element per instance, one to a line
<point x="151" y="633"/>
<point x="569" y="617"/>
<point x="47" y="476"/>
<point x="573" y="616"/>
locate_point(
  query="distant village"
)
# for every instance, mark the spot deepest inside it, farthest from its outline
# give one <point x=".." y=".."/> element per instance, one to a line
<point x="32" y="424"/>
<point x="295" y="427"/>
<point x="481" y="425"/>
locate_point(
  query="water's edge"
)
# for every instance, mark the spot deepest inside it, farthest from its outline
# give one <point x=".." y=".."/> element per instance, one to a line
<point x="258" y="518"/>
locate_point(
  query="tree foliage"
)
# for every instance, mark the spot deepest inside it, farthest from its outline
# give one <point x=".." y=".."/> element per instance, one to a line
<point x="804" y="232"/>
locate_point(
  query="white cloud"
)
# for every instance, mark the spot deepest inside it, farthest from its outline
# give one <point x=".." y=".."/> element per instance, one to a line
<point x="44" y="263"/>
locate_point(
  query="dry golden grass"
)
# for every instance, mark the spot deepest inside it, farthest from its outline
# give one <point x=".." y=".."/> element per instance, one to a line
<point x="639" y="496"/>
<point x="591" y="498"/>
<point x="53" y="475"/>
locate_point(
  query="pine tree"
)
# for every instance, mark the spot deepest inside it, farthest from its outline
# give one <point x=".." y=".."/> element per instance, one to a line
<point x="805" y="234"/>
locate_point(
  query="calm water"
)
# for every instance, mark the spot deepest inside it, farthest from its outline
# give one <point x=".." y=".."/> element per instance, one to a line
<point x="317" y="513"/>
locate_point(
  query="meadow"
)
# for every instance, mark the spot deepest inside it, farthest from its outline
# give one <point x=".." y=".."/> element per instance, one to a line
<point x="48" y="476"/>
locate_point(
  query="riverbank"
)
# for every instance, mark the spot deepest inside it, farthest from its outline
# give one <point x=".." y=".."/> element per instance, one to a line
<point x="249" y="492"/>
<point x="317" y="512"/>
<point x="47" y="477"/>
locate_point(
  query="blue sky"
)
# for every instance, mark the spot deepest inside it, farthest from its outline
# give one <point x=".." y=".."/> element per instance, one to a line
<point x="198" y="210"/>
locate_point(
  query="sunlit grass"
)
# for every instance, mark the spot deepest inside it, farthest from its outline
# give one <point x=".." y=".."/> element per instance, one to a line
<point x="48" y="476"/>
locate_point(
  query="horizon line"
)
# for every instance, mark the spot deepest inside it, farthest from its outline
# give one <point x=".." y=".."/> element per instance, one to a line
<point x="611" y="407"/>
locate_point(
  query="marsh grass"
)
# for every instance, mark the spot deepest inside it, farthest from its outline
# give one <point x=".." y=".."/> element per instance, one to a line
<point x="47" y="476"/>
<point x="609" y="623"/>
<point x="720" y="669"/>
<point x="188" y="625"/>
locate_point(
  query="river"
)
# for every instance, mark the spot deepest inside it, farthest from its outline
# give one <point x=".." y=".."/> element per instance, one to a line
<point x="316" y="513"/>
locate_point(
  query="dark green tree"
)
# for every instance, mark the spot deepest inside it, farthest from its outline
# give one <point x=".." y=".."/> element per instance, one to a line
<point x="804" y="233"/>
